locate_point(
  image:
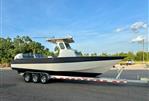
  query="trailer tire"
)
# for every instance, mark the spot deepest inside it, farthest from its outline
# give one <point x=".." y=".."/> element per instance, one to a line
<point x="35" y="77"/>
<point x="27" y="77"/>
<point x="44" y="78"/>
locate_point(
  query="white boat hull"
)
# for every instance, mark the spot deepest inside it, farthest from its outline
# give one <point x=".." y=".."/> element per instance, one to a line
<point x="86" y="67"/>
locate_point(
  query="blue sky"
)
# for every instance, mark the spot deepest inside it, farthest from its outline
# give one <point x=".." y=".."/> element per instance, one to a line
<point x="92" y="23"/>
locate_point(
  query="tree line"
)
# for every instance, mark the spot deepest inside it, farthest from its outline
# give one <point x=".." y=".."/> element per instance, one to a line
<point x="138" y="56"/>
<point x="10" y="47"/>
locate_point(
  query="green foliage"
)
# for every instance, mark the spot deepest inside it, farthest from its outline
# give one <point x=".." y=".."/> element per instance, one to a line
<point x="138" y="56"/>
<point x="5" y="50"/>
<point x="86" y="54"/>
<point x="104" y="54"/>
<point x="94" y="54"/>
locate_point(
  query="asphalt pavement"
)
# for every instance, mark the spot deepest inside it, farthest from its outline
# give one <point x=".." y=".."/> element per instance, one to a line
<point x="13" y="88"/>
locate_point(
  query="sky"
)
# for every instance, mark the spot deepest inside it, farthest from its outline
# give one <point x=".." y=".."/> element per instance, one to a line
<point x="96" y="25"/>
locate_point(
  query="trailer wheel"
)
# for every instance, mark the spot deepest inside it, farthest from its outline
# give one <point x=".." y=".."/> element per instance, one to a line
<point x="44" y="78"/>
<point x="27" y="77"/>
<point x="35" y="77"/>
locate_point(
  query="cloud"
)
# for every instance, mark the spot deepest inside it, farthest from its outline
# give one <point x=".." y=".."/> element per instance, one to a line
<point x="138" y="25"/>
<point x="119" y="30"/>
<point x="138" y="39"/>
<point x="134" y="27"/>
<point x="145" y="26"/>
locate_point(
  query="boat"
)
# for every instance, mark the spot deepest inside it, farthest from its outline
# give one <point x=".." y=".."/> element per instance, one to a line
<point x="68" y="62"/>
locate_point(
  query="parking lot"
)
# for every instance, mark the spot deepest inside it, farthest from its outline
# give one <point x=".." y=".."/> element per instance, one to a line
<point x="13" y="88"/>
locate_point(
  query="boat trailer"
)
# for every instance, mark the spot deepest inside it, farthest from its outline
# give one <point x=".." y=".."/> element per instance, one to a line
<point x="45" y="77"/>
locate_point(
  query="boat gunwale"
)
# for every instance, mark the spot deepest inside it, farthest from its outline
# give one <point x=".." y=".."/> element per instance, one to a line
<point x="65" y="59"/>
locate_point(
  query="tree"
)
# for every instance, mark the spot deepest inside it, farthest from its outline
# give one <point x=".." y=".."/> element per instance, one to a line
<point x="5" y="50"/>
<point x="104" y="54"/>
<point x="94" y="54"/>
<point x="139" y="56"/>
<point x="130" y="56"/>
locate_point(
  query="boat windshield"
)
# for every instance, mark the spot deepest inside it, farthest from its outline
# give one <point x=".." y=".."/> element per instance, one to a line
<point x="61" y="45"/>
<point x="30" y="55"/>
<point x="26" y="56"/>
<point x="39" y="56"/>
<point x="67" y="46"/>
